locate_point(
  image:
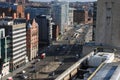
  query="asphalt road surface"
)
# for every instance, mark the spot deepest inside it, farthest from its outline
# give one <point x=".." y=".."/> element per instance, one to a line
<point x="63" y="51"/>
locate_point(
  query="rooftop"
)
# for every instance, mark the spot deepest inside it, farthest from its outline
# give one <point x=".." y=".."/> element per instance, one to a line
<point x="108" y="71"/>
<point x="10" y="21"/>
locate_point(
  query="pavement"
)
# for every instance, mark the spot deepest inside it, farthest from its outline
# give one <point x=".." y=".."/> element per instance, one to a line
<point x="63" y="52"/>
<point x="17" y="71"/>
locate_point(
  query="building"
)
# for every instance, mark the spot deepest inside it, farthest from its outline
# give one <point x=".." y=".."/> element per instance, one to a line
<point x="32" y="39"/>
<point x="94" y="19"/>
<point x="10" y="9"/>
<point x="17" y="1"/>
<point x="16" y="30"/>
<point x="4" y="53"/>
<point x="80" y="16"/>
<point x="71" y="16"/>
<point x="108" y="66"/>
<point x="108" y="21"/>
<point x="45" y="29"/>
<point x="55" y="32"/>
<point x="35" y="11"/>
<point x="60" y="13"/>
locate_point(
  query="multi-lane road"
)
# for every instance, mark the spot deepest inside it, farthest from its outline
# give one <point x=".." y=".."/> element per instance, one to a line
<point x="65" y="54"/>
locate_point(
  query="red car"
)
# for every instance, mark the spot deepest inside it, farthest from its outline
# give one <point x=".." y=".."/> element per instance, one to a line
<point x="42" y="56"/>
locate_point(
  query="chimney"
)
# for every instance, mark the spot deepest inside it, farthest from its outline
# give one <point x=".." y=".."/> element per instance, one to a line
<point x="28" y="16"/>
<point x="3" y="15"/>
<point x="14" y="16"/>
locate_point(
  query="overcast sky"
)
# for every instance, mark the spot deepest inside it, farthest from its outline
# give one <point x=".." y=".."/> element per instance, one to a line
<point x="64" y="0"/>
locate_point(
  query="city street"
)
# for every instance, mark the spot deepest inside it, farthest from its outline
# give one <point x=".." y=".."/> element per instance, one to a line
<point x="61" y="54"/>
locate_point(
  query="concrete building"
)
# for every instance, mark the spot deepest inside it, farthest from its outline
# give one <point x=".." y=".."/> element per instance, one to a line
<point x="4" y="53"/>
<point x="16" y="30"/>
<point x="94" y="19"/>
<point x="8" y="10"/>
<point x="70" y="23"/>
<point x="80" y="16"/>
<point x="60" y="13"/>
<point x="32" y="39"/>
<point x="108" y="21"/>
<point x="35" y="11"/>
<point x="45" y="29"/>
<point x="17" y="1"/>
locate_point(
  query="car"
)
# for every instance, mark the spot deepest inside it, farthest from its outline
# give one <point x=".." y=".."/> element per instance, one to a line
<point x="66" y="38"/>
<point x="52" y="74"/>
<point x="23" y="71"/>
<point x="61" y="63"/>
<point x="23" y="76"/>
<point x="9" y="78"/>
<point x="38" y="60"/>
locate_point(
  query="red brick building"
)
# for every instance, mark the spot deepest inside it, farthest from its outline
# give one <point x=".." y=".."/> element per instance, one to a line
<point x="10" y="9"/>
<point x="32" y="39"/>
<point x="17" y="1"/>
<point x="80" y="16"/>
<point x="55" y="32"/>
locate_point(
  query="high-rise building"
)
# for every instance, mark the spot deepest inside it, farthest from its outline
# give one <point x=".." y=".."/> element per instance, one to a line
<point x="32" y="39"/>
<point x="60" y="14"/>
<point x="45" y="29"/>
<point x="55" y="32"/>
<point x="108" y="23"/>
<point x="35" y="11"/>
<point x="94" y="19"/>
<point x="16" y="30"/>
<point x="71" y="16"/>
<point x="80" y="16"/>
<point x="4" y="53"/>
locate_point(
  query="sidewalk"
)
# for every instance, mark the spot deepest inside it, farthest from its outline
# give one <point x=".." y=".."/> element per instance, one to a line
<point x="11" y="74"/>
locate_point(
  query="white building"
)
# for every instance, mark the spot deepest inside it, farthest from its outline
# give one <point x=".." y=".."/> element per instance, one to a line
<point x="60" y="11"/>
<point x="17" y="34"/>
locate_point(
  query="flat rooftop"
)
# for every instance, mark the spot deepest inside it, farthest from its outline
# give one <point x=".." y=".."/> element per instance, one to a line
<point x="110" y="71"/>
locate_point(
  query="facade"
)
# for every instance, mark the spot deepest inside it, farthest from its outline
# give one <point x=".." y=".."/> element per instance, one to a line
<point x="45" y="29"/>
<point x="10" y="9"/>
<point x="60" y="13"/>
<point x="16" y="30"/>
<point x="80" y="16"/>
<point x="17" y="1"/>
<point x="94" y="19"/>
<point x="55" y="32"/>
<point x="108" y="23"/>
<point x="4" y="53"/>
<point x="35" y="11"/>
<point x="32" y="39"/>
<point x="71" y="16"/>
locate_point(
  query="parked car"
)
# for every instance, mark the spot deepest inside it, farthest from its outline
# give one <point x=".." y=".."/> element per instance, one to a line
<point x="43" y="55"/>
<point x="9" y="78"/>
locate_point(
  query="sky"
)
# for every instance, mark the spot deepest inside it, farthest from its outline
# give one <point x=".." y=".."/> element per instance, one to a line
<point x="64" y="0"/>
